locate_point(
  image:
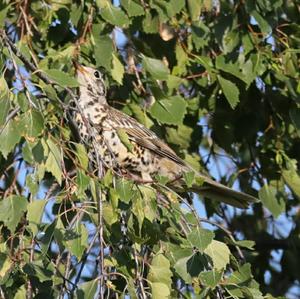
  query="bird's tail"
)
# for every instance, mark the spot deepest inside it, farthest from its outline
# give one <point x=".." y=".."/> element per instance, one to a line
<point x="217" y="191"/>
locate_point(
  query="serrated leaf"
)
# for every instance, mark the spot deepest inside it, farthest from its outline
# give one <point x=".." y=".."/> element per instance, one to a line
<point x="109" y="214"/>
<point x="21" y="293"/>
<point x="194" y="7"/>
<point x="113" y="15"/>
<point x="10" y="135"/>
<point x="35" y="210"/>
<point x="62" y="78"/>
<point x="160" y="270"/>
<point x="249" y="244"/>
<point x="189" y="178"/>
<point x="117" y="71"/>
<point x="160" y="290"/>
<point x="157" y="69"/>
<point x="53" y="162"/>
<point x="190" y="266"/>
<point x="82" y="155"/>
<point x="12" y="209"/>
<point x="103" y="51"/>
<point x="83" y="182"/>
<point x="150" y="23"/>
<point x="125" y="190"/>
<point x="76" y="239"/>
<point x="4" y="100"/>
<point x="291" y="176"/>
<point x="200" y="238"/>
<point x="87" y="290"/>
<point x="5" y="262"/>
<point x="32" y="124"/>
<point x="219" y="253"/>
<point x="169" y="110"/>
<point x="262" y="23"/>
<point x="132" y="8"/>
<point x="267" y="195"/>
<point x="211" y="278"/>
<point x="242" y="275"/>
<point x="230" y="91"/>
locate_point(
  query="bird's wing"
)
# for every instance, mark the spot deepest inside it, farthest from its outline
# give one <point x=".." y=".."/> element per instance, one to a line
<point x="142" y="136"/>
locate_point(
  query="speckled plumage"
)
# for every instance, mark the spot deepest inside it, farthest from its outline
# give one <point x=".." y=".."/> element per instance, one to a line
<point x="148" y="156"/>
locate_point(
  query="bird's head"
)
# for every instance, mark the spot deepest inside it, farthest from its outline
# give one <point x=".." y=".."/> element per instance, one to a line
<point x="91" y="81"/>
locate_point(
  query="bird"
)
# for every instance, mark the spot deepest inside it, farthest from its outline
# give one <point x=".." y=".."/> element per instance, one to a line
<point x="124" y="144"/>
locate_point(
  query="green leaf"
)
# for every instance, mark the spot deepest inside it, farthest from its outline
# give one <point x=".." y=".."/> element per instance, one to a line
<point x="157" y="69"/>
<point x="4" y="101"/>
<point x="103" y="51"/>
<point x="150" y="23"/>
<point x="262" y="23"/>
<point x="125" y="190"/>
<point x="12" y="209"/>
<point x="82" y="182"/>
<point x="189" y="178"/>
<point x="87" y="290"/>
<point x="53" y="162"/>
<point x="295" y="117"/>
<point x="194" y="7"/>
<point x="3" y="15"/>
<point x="211" y="278"/>
<point x="230" y="90"/>
<point x="160" y="290"/>
<point x="76" y="239"/>
<point x="132" y="8"/>
<point x="10" y="135"/>
<point x="219" y="253"/>
<point x="190" y="266"/>
<point x="241" y="276"/>
<point x="6" y="264"/>
<point x="290" y="176"/>
<point x="125" y="139"/>
<point x="113" y="15"/>
<point x="109" y="214"/>
<point x="21" y="293"/>
<point x="267" y="195"/>
<point x="117" y="71"/>
<point x="249" y="244"/>
<point x="35" y="211"/>
<point x="200" y="238"/>
<point x="169" y="110"/>
<point x="62" y="78"/>
<point x="32" y="124"/>
<point x="82" y="156"/>
<point x="160" y="270"/>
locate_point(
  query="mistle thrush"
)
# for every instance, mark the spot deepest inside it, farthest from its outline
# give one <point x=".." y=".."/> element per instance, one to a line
<point x="148" y="156"/>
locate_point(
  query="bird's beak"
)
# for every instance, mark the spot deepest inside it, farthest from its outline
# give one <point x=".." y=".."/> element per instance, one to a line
<point x="79" y="67"/>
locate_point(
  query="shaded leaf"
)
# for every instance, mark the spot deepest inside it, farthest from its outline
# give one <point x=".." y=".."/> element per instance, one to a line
<point x="62" y="78"/>
<point x="200" y="238"/>
<point x="169" y="110"/>
<point x="157" y="69"/>
<point x="10" y="135"/>
<point x="230" y="90"/>
<point x="103" y="51"/>
<point x="12" y="209"/>
<point x="113" y="15"/>
<point x="35" y="211"/>
<point x="117" y="71"/>
<point x="267" y="195"/>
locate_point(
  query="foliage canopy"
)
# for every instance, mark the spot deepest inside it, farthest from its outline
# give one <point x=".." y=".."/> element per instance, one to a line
<point x="219" y="78"/>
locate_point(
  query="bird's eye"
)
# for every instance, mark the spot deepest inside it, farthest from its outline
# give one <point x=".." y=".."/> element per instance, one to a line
<point x="97" y="74"/>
